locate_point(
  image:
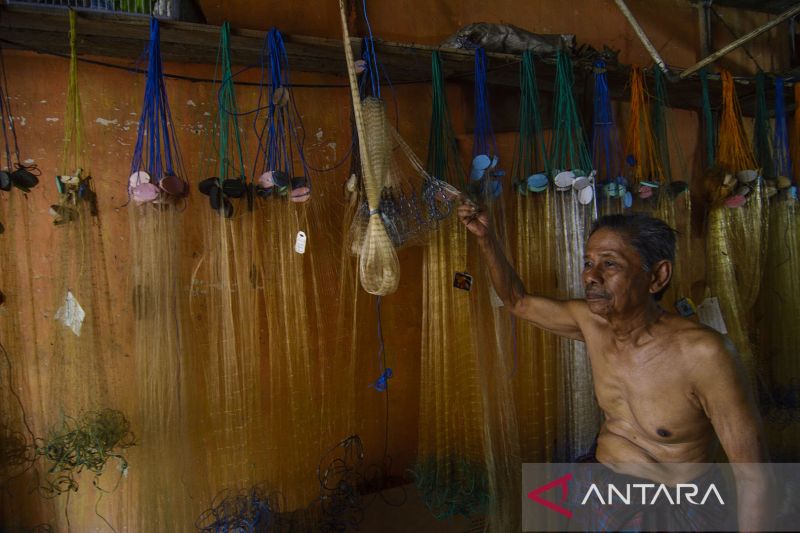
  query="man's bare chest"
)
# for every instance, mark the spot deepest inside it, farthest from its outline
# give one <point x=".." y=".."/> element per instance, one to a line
<point x="648" y="390"/>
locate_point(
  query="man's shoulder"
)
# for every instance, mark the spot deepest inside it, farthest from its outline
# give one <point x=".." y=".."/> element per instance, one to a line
<point x="695" y="340"/>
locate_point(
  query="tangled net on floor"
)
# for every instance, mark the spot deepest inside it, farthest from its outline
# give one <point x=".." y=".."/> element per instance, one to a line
<point x="466" y="494"/>
<point x="246" y="511"/>
<point x="15" y="452"/>
<point x="81" y="444"/>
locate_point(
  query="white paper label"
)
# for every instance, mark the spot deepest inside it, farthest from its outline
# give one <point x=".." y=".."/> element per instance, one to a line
<point x="710" y="314"/>
<point x="71" y="314"/>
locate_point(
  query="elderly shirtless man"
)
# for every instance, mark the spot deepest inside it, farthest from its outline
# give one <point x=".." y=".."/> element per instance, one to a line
<point x="668" y="388"/>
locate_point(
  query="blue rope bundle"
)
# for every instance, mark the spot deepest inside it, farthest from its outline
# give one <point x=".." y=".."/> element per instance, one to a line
<point x="780" y="146"/>
<point x="606" y="146"/>
<point x="280" y="138"/>
<point x="484" y="141"/>
<point x="159" y="153"/>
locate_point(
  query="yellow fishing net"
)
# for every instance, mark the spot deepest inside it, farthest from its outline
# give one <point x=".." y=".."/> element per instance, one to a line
<point x="779" y="301"/>
<point x="736" y="236"/>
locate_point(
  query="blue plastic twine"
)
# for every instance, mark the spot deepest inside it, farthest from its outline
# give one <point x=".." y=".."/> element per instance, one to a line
<point x="158" y="154"/>
<point x="606" y="146"/>
<point x="279" y="139"/>
<point x="484" y="140"/>
<point x="382" y="383"/>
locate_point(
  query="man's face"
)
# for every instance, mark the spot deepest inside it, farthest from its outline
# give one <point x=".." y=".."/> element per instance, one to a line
<point x="613" y="278"/>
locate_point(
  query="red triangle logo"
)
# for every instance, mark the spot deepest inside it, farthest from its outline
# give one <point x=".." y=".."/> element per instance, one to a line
<point x="560" y="482"/>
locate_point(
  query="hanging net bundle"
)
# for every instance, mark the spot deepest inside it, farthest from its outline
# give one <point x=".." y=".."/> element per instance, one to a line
<point x="78" y="370"/>
<point x="779" y="304"/>
<point x="492" y="328"/>
<point x="578" y="415"/>
<point x="224" y="302"/>
<point x="607" y="158"/>
<point x="737" y="226"/>
<point x="292" y="302"/>
<point x="156" y="188"/>
<point x="536" y="390"/>
<point x="23" y="346"/>
<point x="450" y="472"/>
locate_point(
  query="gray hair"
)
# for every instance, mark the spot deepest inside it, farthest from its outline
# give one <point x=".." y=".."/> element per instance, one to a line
<point x="652" y="238"/>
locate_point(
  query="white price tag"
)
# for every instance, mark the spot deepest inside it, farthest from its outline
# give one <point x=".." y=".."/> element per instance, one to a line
<point x="300" y="243"/>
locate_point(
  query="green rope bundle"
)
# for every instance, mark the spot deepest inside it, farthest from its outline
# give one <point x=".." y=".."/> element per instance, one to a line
<point x="531" y="151"/>
<point x="84" y="444"/>
<point x="658" y="120"/>
<point x="708" y="120"/>
<point x="762" y="134"/>
<point x="444" y="161"/>
<point x="568" y="148"/>
<point x="231" y="155"/>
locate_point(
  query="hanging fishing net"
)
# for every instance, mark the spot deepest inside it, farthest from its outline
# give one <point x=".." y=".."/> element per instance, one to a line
<point x="779" y="301"/>
<point x="614" y="193"/>
<point x="492" y="328"/>
<point x="291" y="232"/>
<point x="78" y="370"/>
<point x="24" y="347"/>
<point x="224" y="301"/>
<point x="156" y="188"/>
<point x="573" y="212"/>
<point x="737" y="226"/>
<point x="536" y="381"/>
<point x="450" y="474"/>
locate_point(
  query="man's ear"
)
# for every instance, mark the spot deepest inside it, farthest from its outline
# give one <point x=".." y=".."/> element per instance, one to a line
<point x="660" y="275"/>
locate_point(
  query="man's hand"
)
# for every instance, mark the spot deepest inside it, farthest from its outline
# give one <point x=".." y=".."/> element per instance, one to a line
<point x="476" y="219"/>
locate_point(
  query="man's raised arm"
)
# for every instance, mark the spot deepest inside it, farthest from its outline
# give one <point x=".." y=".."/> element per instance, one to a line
<point x="556" y="316"/>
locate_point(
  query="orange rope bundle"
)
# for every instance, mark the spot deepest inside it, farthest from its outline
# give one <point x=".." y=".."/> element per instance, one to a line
<point x="640" y="142"/>
<point x="733" y="151"/>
